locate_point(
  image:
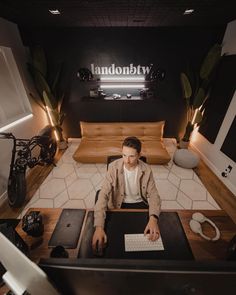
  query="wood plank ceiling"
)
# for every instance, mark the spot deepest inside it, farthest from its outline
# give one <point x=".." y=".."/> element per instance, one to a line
<point x="122" y="13"/>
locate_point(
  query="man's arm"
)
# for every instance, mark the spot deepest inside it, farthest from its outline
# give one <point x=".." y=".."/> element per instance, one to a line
<point x="103" y="198"/>
<point x="100" y="211"/>
<point x="152" y="228"/>
<point x="154" y="209"/>
<point x="100" y="237"/>
<point x="153" y="197"/>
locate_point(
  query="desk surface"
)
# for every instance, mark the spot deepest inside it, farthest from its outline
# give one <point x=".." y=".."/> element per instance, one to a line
<point x="201" y="249"/>
<point x="119" y="223"/>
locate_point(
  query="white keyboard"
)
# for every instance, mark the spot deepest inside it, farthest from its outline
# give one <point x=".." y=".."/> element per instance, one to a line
<point x="139" y="242"/>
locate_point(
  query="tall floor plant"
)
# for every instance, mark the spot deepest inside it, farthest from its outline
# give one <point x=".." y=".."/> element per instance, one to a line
<point x="51" y="98"/>
<point x="196" y="89"/>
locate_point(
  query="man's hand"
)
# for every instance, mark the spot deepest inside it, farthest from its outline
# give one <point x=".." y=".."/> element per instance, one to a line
<point x="100" y="237"/>
<point x="152" y="228"/>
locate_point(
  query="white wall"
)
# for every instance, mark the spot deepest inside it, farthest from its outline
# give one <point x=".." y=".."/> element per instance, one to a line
<point x="10" y="37"/>
<point x="211" y="153"/>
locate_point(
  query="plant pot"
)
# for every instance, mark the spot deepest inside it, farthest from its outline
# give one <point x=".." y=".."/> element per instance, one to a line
<point x="184" y="144"/>
<point x="62" y="145"/>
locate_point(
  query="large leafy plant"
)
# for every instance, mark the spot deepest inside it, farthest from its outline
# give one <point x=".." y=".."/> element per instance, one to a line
<point x="48" y="87"/>
<point x="196" y="89"/>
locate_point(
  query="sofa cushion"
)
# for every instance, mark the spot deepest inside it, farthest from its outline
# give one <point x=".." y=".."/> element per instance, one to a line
<point x="119" y="131"/>
<point x="100" y="140"/>
<point x="90" y="151"/>
<point x="155" y="152"/>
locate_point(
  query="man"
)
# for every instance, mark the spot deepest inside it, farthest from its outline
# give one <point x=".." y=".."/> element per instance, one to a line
<point x="129" y="183"/>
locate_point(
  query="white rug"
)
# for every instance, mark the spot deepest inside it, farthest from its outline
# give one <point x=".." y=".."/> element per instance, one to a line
<point x="73" y="185"/>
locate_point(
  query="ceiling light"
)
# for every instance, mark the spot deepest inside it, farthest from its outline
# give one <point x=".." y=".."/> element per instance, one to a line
<point x="188" y="11"/>
<point x="54" y="11"/>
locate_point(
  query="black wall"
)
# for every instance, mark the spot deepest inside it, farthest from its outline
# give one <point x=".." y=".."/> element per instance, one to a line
<point x="171" y="49"/>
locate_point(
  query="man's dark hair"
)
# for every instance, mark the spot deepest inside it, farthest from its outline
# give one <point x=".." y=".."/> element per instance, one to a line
<point x="133" y="142"/>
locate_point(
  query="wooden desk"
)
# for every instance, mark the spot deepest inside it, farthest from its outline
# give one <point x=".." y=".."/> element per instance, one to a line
<point x="50" y="218"/>
<point x="202" y="249"/>
<point x="208" y="250"/>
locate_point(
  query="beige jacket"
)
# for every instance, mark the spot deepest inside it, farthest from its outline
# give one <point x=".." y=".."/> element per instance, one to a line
<point x="113" y="190"/>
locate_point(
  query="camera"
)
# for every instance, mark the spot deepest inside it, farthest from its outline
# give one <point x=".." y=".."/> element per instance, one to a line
<point x="32" y="224"/>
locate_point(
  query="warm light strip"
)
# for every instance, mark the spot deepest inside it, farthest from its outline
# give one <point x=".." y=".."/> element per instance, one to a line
<point x="54" y="11"/>
<point x="122" y="79"/>
<point x="137" y="86"/>
<point x="51" y="122"/>
<point x="194" y="116"/>
<point x="16" y="122"/>
<point x="188" y="11"/>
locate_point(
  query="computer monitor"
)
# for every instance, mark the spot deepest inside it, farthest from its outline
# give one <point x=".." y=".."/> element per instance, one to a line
<point x="117" y="276"/>
<point x="22" y="275"/>
<point x="100" y="276"/>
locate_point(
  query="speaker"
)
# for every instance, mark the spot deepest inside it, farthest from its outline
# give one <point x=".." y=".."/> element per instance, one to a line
<point x="195" y="225"/>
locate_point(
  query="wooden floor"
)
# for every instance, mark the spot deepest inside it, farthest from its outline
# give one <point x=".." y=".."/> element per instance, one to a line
<point x="35" y="178"/>
<point x="224" y="197"/>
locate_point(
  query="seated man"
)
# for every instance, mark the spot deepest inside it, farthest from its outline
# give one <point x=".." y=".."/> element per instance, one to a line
<point x="129" y="183"/>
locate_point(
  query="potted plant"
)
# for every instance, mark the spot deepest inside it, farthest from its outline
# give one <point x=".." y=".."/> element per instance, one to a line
<point x="196" y="91"/>
<point x="51" y="98"/>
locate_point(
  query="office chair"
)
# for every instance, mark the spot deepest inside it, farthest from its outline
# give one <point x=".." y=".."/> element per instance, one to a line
<point x="111" y="159"/>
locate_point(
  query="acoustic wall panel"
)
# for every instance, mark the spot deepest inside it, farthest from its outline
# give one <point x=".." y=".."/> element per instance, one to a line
<point x="229" y="144"/>
<point x="220" y="98"/>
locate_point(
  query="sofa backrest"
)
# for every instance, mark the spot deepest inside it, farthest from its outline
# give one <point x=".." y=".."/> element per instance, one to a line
<point x="119" y="131"/>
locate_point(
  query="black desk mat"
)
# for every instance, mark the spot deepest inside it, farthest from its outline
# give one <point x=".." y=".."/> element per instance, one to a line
<point x="119" y="223"/>
<point x="68" y="228"/>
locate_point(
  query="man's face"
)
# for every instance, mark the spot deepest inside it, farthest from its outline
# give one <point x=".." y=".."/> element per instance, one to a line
<point x="130" y="157"/>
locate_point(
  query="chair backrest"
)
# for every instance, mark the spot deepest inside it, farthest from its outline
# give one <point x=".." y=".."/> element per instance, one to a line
<point x="115" y="157"/>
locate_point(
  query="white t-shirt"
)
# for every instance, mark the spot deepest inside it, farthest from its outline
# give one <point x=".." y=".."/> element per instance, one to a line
<point x="131" y="186"/>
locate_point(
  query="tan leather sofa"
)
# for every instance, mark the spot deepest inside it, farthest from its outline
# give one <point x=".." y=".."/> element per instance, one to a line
<point x="100" y="140"/>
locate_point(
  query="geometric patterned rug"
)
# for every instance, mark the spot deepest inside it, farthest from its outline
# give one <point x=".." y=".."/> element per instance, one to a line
<point x="73" y="185"/>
